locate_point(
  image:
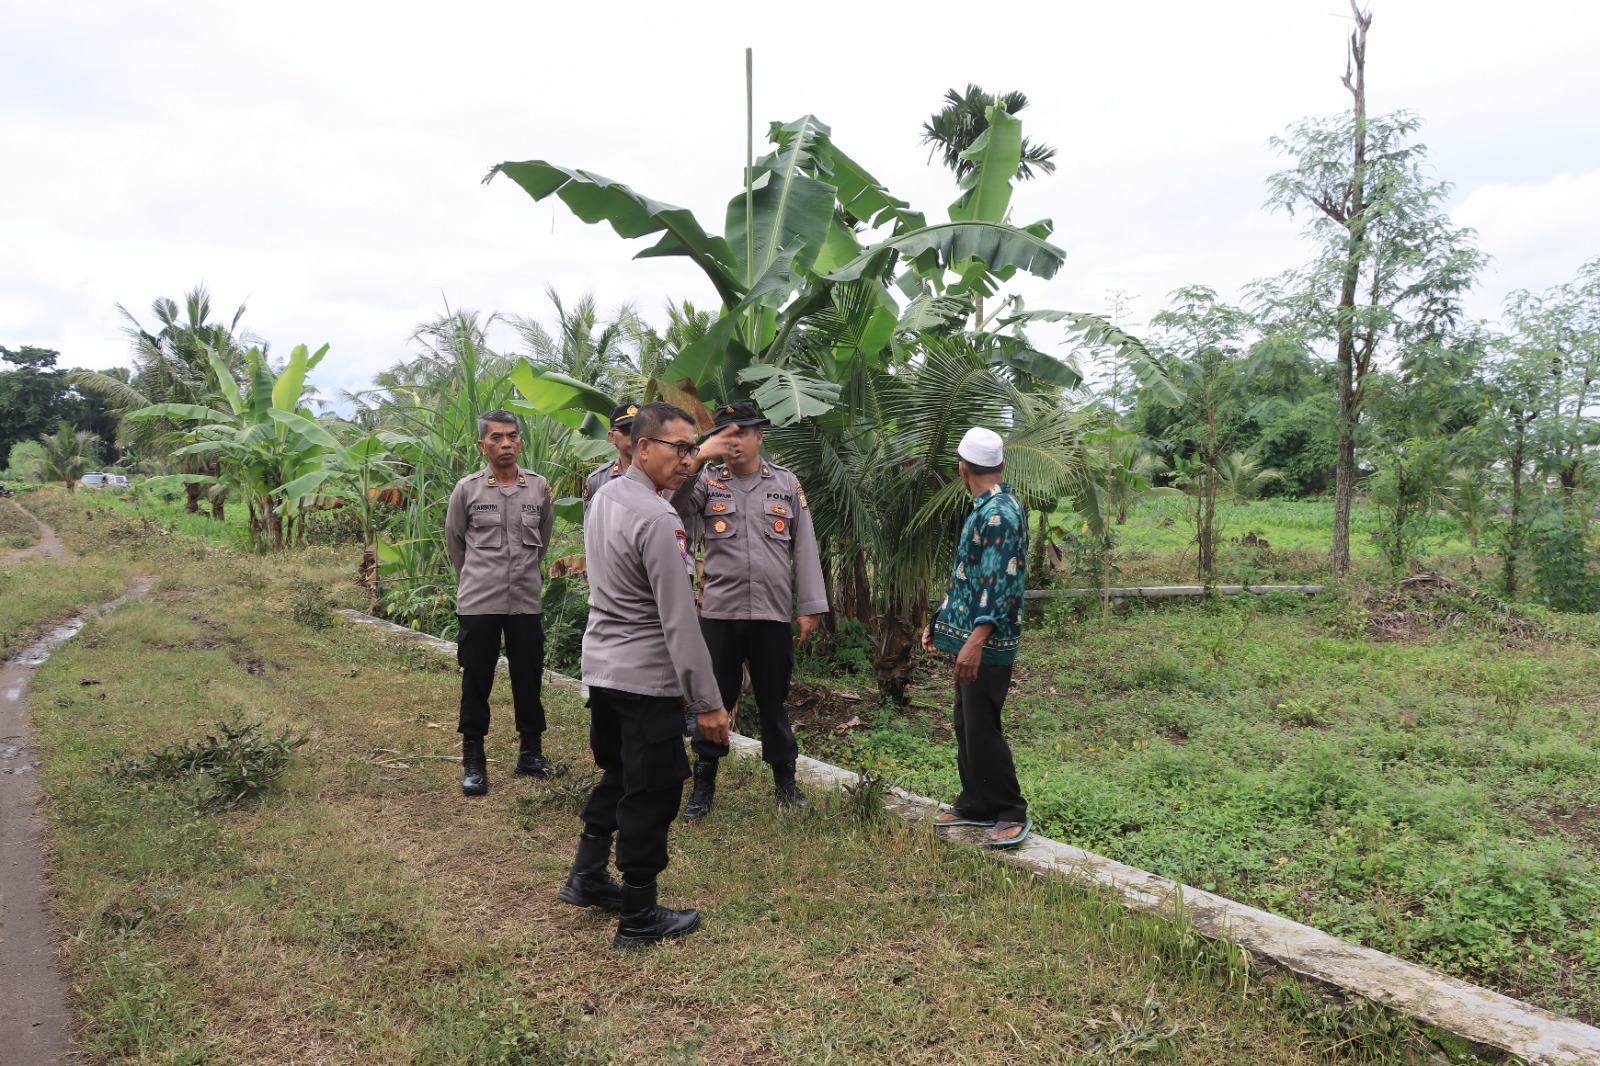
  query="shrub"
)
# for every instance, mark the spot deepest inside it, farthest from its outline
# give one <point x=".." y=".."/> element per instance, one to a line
<point x="238" y="765"/>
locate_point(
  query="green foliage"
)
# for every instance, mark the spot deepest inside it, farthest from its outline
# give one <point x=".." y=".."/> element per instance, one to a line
<point x="1564" y="568"/>
<point x="238" y="763"/>
<point x="64" y="456"/>
<point x="312" y="606"/>
<point x="565" y="605"/>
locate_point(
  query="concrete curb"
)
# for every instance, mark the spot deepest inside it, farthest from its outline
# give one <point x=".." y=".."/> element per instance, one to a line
<point x="1426" y="995"/>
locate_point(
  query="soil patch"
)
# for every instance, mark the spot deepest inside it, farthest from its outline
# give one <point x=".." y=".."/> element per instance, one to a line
<point x="1427" y="606"/>
<point x="826" y="711"/>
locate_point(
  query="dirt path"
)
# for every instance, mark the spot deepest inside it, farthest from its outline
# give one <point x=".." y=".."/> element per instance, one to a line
<point x="34" y="1026"/>
<point x="48" y="546"/>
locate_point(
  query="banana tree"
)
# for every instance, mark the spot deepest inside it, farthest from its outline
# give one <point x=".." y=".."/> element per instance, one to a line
<point x="361" y="471"/>
<point x="793" y="251"/>
<point x="263" y="441"/>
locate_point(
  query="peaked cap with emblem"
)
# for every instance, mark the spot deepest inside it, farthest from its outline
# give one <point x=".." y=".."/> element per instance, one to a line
<point x="736" y="414"/>
<point x="622" y="415"/>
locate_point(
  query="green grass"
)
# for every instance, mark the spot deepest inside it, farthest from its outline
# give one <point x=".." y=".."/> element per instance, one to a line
<point x="1437" y="800"/>
<point x="362" y="911"/>
<point x="1156" y="544"/>
<point x="17" y="530"/>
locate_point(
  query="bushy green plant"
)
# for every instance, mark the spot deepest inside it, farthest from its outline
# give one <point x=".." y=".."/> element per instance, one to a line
<point x="426" y="606"/>
<point x="1563" y="563"/>
<point x="565" y="603"/>
<point x="237" y="764"/>
<point x="312" y="605"/>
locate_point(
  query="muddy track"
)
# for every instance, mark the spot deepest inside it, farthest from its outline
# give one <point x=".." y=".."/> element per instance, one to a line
<point x="34" y="1026"/>
<point x="49" y="545"/>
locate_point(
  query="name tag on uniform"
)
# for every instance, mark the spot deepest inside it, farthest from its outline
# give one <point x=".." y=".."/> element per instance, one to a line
<point x="486" y="507"/>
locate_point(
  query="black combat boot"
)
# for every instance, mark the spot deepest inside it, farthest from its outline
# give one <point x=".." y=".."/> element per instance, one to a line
<point x="643" y="923"/>
<point x="788" y="790"/>
<point x="474" y="767"/>
<point x="705" y="790"/>
<point x="531" y="761"/>
<point x="590" y="884"/>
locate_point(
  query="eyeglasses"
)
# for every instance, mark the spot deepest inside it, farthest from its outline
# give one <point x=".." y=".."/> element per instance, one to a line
<point x="686" y="450"/>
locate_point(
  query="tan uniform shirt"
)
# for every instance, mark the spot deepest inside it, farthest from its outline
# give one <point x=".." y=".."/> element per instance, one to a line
<point x="603" y="475"/>
<point x="497" y="535"/>
<point x="643" y="636"/>
<point x="760" y="547"/>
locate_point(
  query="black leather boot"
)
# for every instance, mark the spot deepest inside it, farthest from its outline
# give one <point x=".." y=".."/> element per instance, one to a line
<point x="474" y="767"/>
<point x="788" y="790"/>
<point x="705" y="790"/>
<point x="590" y="884"/>
<point x="531" y="761"/>
<point x="643" y="923"/>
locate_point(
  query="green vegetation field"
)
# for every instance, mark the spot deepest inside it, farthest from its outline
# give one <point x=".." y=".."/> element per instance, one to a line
<point x="362" y="911"/>
<point x="1436" y="796"/>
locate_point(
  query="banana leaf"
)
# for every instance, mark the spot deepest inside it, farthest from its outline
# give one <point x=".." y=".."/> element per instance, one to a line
<point x="598" y="199"/>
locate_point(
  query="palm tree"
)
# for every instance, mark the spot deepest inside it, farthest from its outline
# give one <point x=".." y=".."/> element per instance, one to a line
<point x="1240" y="478"/>
<point x="583" y="347"/>
<point x="65" y="456"/>
<point x="954" y="128"/>
<point x="880" y="471"/>
<point x="171" y="366"/>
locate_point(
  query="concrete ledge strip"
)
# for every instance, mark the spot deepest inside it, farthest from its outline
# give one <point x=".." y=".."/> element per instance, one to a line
<point x="1431" y="997"/>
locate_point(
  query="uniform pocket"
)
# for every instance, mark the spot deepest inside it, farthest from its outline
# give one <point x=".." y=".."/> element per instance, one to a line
<point x="485" y="530"/>
<point x="776" y="519"/>
<point x="721" y="517"/>
<point x="531" y="537"/>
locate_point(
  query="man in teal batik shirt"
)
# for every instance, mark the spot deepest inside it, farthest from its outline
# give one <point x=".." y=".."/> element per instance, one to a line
<point x="980" y="622"/>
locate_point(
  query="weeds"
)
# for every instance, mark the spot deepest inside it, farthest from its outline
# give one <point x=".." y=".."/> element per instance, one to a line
<point x="312" y="606"/>
<point x="229" y="769"/>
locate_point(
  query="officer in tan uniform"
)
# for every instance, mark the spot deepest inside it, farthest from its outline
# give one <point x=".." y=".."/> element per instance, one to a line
<point x="605" y="473"/>
<point x="497" y="529"/>
<point x="761" y="568"/>
<point x="645" y="664"/>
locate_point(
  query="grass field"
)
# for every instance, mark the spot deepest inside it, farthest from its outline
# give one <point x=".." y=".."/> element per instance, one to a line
<point x="1156" y="544"/>
<point x="364" y="912"/>
<point x="1438" y="798"/>
<point x="17" y="530"/>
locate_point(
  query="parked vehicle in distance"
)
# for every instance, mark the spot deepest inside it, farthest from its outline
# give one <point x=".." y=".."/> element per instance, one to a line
<point x="92" y="480"/>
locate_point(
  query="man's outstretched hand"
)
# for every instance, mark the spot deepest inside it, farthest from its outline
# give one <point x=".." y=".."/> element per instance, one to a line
<point x="714" y="725"/>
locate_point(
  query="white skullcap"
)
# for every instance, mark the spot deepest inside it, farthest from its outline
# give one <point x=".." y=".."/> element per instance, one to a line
<point x="981" y="447"/>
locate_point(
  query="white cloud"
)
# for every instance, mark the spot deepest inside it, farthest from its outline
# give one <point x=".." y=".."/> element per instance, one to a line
<point x="1539" y="232"/>
<point x="322" y="161"/>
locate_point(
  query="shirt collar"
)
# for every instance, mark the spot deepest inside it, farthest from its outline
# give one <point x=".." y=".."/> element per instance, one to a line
<point x="989" y="494"/>
<point x="635" y="473"/>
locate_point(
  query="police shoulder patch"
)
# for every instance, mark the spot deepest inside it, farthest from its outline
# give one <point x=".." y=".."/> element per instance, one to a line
<point x="683" y="543"/>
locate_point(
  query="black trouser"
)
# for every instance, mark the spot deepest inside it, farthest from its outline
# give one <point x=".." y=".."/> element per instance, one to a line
<point x="478" y="650"/>
<point x="638" y="742"/>
<point x="769" y="649"/>
<point x="989" y="786"/>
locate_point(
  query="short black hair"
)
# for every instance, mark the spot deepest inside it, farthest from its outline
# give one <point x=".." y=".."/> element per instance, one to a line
<point x="983" y="471"/>
<point x="497" y="415"/>
<point x="652" y="416"/>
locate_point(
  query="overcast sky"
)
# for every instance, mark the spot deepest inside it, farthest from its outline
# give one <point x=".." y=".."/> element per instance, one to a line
<point x="321" y="162"/>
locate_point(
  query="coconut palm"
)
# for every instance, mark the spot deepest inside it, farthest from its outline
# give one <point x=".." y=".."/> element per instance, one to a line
<point x="583" y="346"/>
<point x="64" y="456"/>
<point x="1240" y="477"/>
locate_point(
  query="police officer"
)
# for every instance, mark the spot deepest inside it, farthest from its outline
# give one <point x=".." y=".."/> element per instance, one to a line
<point x="760" y="549"/>
<point x="605" y="473"/>
<point x="497" y="529"/>
<point x="645" y="664"/>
